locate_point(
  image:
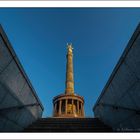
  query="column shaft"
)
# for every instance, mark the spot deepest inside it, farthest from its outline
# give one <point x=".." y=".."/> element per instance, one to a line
<point x="54" y="109"/>
<point x="82" y="109"/>
<point x="72" y="106"/>
<point x="69" y="72"/>
<point x="60" y="103"/>
<point x="77" y="107"/>
<point x="66" y="102"/>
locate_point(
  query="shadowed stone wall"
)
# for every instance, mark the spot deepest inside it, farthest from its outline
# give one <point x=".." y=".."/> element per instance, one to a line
<point x="119" y="102"/>
<point x="19" y="104"/>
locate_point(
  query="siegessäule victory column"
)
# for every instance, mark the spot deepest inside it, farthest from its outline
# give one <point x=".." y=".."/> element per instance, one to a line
<point x="68" y="109"/>
<point x="68" y="104"/>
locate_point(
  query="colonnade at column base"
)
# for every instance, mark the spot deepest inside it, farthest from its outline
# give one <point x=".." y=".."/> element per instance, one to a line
<point x="68" y="106"/>
<point x="68" y="116"/>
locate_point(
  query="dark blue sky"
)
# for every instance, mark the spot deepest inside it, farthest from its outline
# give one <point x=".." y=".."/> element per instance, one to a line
<point x="39" y="37"/>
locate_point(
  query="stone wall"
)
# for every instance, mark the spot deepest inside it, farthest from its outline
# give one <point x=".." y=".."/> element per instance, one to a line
<point x="19" y="104"/>
<point x="119" y="102"/>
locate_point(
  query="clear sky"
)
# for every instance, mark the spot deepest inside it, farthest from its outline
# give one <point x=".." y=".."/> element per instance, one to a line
<point x="39" y="38"/>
